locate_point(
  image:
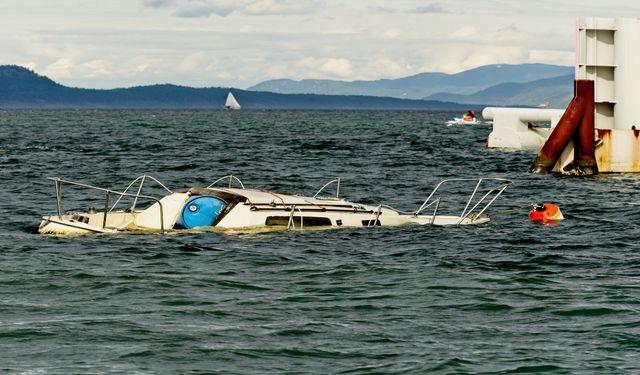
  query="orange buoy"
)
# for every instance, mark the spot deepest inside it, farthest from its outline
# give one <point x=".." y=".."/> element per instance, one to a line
<point x="545" y="212"/>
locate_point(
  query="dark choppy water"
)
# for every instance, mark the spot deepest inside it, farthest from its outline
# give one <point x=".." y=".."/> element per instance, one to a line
<point x="507" y="297"/>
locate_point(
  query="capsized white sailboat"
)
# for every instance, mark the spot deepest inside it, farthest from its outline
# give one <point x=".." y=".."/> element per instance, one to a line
<point x="231" y="102"/>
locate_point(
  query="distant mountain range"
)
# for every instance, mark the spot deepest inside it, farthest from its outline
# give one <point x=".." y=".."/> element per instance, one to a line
<point x="556" y="92"/>
<point x="23" y="88"/>
<point x="501" y="85"/>
<point x="524" y="84"/>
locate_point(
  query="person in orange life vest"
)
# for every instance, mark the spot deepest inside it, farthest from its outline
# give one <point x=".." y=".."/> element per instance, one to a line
<point x="470" y="115"/>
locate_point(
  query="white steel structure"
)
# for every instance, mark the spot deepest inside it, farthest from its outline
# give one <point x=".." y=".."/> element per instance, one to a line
<point x="608" y="53"/>
<point x="517" y="127"/>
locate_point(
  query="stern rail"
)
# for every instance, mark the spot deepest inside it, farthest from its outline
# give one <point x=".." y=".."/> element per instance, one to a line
<point x="492" y="194"/>
<point x="107" y="192"/>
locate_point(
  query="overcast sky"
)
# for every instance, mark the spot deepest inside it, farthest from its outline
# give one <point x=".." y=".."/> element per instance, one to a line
<point x="238" y="43"/>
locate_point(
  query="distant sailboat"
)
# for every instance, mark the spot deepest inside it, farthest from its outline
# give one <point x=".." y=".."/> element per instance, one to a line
<point x="231" y="102"/>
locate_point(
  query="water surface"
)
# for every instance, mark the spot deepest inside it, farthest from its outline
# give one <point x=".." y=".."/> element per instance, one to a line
<point x="507" y="297"/>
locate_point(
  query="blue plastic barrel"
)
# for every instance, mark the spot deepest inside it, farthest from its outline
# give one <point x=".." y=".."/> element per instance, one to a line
<point x="200" y="211"/>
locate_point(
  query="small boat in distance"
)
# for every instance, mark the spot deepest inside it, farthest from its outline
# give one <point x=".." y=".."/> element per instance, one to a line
<point x="468" y="119"/>
<point x="462" y="121"/>
<point x="234" y="207"/>
<point x="231" y="102"/>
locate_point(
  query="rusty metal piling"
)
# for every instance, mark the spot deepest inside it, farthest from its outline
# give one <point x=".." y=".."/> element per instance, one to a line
<point x="577" y="122"/>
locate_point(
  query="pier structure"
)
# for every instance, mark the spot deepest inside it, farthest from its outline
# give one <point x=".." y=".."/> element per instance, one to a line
<point x="607" y="54"/>
<point x="520" y="128"/>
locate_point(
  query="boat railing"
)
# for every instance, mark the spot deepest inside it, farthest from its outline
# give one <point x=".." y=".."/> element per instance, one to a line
<point x="142" y="180"/>
<point x="107" y="193"/>
<point x="397" y="210"/>
<point x="477" y="208"/>
<point x="337" y="182"/>
<point x="291" y="223"/>
<point x="231" y="179"/>
<point x="375" y="215"/>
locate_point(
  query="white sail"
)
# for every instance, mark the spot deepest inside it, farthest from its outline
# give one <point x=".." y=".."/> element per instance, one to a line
<point x="232" y="103"/>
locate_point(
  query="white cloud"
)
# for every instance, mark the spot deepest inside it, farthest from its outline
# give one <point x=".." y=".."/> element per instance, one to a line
<point x="223" y="8"/>
<point x="203" y="9"/>
<point x="386" y="67"/>
<point x="97" y="68"/>
<point x="391" y="33"/>
<point x="279" y="71"/>
<point x="65" y="67"/>
<point x="141" y="68"/>
<point x="61" y="68"/>
<point x="327" y="67"/>
<point x="225" y="76"/>
<point x="142" y="65"/>
<point x="193" y="62"/>
<point x="280" y="7"/>
<point x="384" y="10"/>
<point x="341" y="31"/>
<point x="156" y="3"/>
<point x="30" y="65"/>
<point x="429" y="8"/>
<point x="553" y="56"/>
<point x="465" y="32"/>
<point x="225" y="42"/>
<point x="457" y="60"/>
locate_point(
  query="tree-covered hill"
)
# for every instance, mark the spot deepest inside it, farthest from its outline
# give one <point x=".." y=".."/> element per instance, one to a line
<point x="23" y="88"/>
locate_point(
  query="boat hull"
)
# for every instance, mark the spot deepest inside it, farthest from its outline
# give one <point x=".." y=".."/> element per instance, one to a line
<point x="62" y="225"/>
<point x="274" y="220"/>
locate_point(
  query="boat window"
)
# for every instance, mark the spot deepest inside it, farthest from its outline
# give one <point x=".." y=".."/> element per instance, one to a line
<point x="307" y="221"/>
<point x="370" y="223"/>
